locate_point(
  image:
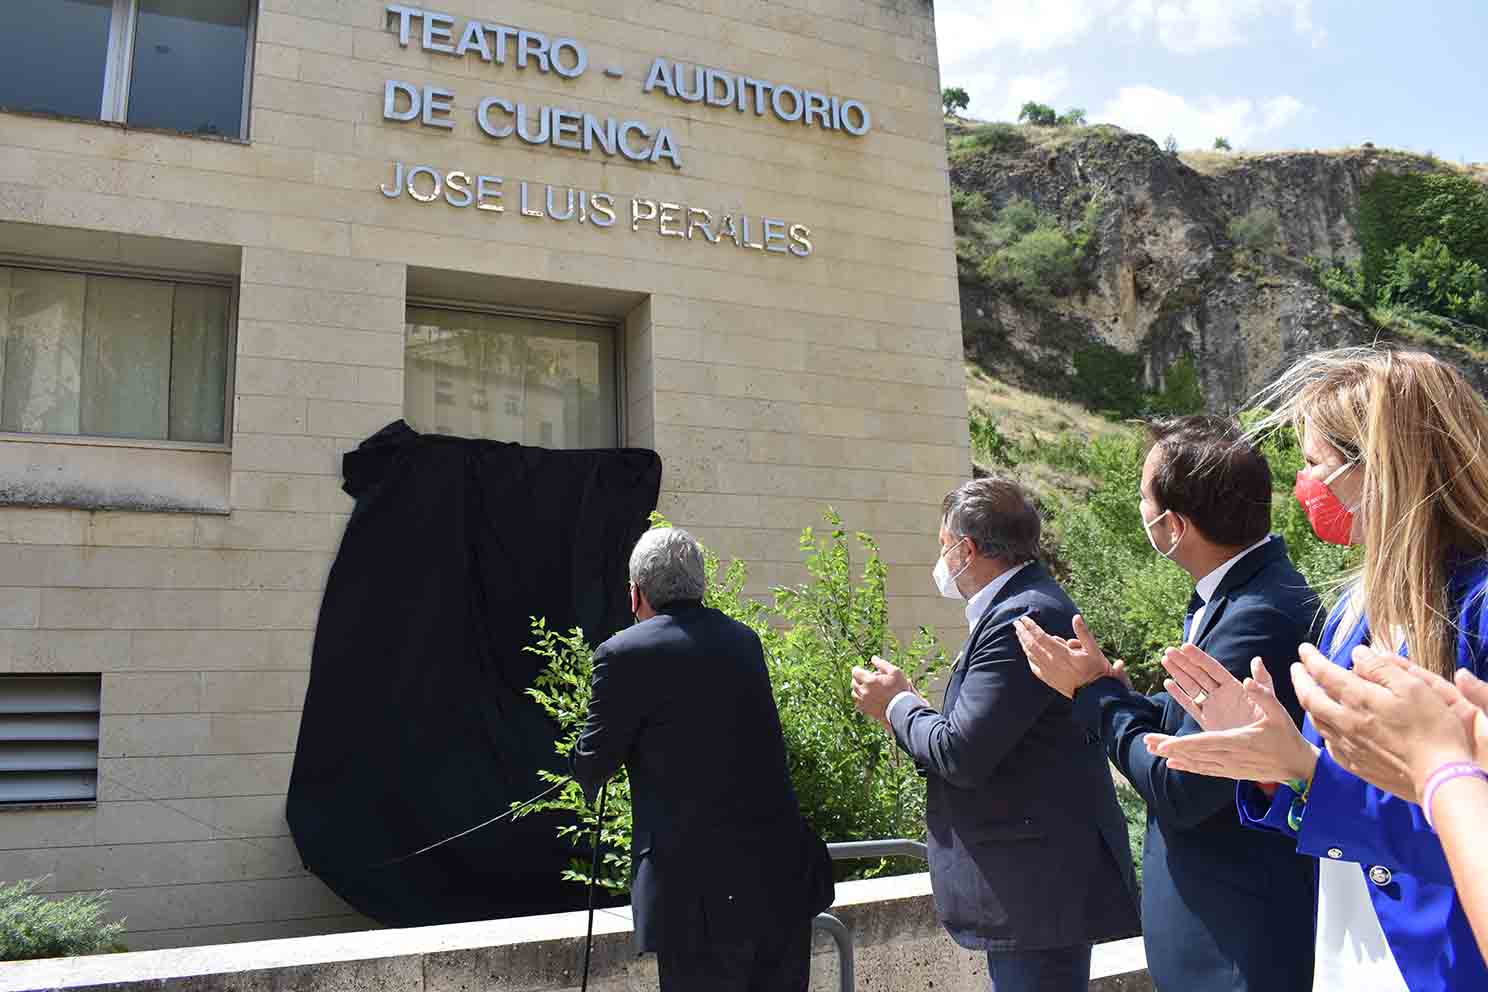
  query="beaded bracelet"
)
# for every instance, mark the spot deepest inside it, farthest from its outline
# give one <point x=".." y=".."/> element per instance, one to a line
<point x="1443" y="775"/>
<point x="1301" y="787"/>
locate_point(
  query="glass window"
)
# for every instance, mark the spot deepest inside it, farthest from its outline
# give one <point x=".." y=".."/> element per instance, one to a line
<point x="531" y="380"/>
<point x="106" y="356"/>
<point x="55" y="53"/>
<point x="184" y="54"/>
<point x="175" y="64"/>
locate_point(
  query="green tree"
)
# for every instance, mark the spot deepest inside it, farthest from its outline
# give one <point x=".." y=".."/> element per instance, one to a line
<point x="1073" y="117"/>
<point x="1040" y="114"/>
<point x="954" y="99"/>
<point x="1222" y="144"/>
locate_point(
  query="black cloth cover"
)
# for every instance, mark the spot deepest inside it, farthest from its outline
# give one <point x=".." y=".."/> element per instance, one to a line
<point x="416" y="724"/>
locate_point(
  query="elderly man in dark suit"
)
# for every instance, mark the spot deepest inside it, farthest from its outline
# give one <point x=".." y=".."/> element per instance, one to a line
<point x="727" y="876"/>
<point x="1224" y="909"/>
<point x="1028" y="848"/>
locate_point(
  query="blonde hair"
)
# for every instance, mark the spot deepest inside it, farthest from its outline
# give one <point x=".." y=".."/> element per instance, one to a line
<point x="1418" y="431"/>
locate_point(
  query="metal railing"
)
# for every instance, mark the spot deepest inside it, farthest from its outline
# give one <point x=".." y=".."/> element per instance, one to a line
<point x="834" y="927"/>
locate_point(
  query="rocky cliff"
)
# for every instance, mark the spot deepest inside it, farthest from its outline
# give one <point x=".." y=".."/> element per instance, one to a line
<point x="1205" y="260"/>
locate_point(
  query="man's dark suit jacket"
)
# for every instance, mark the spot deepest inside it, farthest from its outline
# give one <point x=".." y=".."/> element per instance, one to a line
<point x="1224" y="909"/>
<point x="1028" y="848"/>
<point x="720" y="851"/>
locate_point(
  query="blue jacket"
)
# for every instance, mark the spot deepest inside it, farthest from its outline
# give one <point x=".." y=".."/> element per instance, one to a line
<point x="1028" y="848"/>
<point x="1348" y="819"/>
<point x="1224" y="909"/>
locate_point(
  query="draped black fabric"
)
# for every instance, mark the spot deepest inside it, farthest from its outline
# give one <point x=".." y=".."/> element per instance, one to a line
<point x="416" y="724"/>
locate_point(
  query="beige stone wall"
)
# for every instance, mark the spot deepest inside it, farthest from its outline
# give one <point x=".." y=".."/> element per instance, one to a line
<point x="772" y="386"/>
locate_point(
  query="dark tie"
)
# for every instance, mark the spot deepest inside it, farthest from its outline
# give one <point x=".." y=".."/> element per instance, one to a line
<point x="1195" y="604"/>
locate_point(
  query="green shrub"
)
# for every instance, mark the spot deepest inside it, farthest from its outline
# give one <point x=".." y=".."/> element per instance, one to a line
<point x="1134" y="810"/>
<point x="1222" y="144"/>
<point x="1344" y="282"/>
<point x="998" y="137"/>
<point x="967" y="208"/>
<point x="1430" y="278"/>
<point x="1042" y="261"/>
<point x="1181" y="393"/>
<point x="1257" y="230"/>
<point x="853" y="782"/>
<point x="34" y="926"/>
<point x="988" y="444"/>
<point x="1073" y="117"/>
<point x="1398" y="210"/>
<point x="1109" y="380"/>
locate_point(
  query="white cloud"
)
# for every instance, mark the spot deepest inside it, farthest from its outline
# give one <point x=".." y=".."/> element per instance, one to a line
<point x="969" y="30"/>
<point x="1190" y="26"/>
<point x="1196" y="124"/>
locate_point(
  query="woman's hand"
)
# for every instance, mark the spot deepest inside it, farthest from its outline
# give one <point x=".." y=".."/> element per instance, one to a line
<point x="1475" y="691"/>
<point x="1268" y="749"/>
<point x="1387" y="721"/>
<point x="1207" y="690"/>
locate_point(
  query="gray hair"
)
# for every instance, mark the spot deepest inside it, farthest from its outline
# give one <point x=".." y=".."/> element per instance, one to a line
<point x="667" y="567"/>
<point x="998" y="515"/>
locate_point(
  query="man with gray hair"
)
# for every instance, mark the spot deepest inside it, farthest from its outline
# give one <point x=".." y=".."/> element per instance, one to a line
<point x="726" y="875"/>
<point x="1028" y="848"/>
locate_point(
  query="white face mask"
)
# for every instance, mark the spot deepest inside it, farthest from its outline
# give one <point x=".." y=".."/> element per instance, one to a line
<point x="1147" y="526"/>
<point x="944" y="580"/>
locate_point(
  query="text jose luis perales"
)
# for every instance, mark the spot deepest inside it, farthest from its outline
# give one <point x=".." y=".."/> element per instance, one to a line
<point x="502" y="119"/>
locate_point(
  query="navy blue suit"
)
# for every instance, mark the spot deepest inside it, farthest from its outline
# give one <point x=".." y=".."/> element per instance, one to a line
<point x="1224" y="909"/>
<point x="1028" y="848"/>
<point x="720" y="853"/>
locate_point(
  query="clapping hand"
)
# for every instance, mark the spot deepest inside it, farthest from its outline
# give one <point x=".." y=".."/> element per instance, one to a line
<point x="1206" y="690"/>
<point x="1265" y="748"/>
<point x="872" y="691"/>
<point x="1390" y="722"/>
<point x="1065" y="664"/>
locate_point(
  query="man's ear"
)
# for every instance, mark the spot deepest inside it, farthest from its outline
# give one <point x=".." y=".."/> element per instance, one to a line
<point x="635" y="600"/>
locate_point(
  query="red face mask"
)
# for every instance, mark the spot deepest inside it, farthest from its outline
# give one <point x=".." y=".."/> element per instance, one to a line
<point x="1331" y="520"/>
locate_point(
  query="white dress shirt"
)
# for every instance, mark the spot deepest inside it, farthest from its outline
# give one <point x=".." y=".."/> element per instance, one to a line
<point x="1209" y="585"/>
<point x="975" y="607"/>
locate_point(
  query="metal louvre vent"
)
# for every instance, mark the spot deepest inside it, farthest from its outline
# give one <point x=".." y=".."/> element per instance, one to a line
<point x="49" y="738"/>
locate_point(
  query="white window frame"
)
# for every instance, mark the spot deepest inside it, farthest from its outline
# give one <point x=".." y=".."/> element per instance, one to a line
<point x="617" y="328"/>
<point x="119" y="62"/>
<point x="162" y="275"/>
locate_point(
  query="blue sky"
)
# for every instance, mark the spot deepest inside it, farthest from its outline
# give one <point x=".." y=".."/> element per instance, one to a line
<point x="1267" y="74"/>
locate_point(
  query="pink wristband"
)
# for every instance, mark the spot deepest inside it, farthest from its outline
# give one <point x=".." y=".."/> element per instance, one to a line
<point x="1443" y="775"/>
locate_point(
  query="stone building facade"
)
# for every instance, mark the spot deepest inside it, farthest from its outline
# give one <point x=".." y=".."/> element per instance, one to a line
<point x="717" y="228"/>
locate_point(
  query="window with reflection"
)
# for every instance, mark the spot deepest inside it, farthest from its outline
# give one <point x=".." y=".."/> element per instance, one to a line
<point x="109" y="356"/>
<point x="182" y="65"/>
<point x="532" y="380"/>
<point x="55" y="54"/>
